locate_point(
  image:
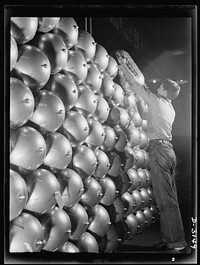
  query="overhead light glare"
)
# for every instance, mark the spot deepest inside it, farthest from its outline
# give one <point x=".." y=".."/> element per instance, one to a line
<point x="154" y="80"/>
<point x="177" y="52"/>
<point x="182" y="82"/>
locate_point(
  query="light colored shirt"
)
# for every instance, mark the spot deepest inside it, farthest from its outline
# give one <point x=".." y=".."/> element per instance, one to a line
<point x="160" y="115"/>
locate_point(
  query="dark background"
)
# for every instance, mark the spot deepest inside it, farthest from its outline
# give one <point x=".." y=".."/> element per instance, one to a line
<point x="168" y="54"/>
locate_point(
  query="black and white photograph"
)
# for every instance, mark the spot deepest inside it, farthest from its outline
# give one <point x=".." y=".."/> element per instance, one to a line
<point x="100" y="138"/>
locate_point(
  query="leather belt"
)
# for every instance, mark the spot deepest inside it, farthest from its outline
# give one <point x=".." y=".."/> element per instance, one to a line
<point x="161" y="141"/>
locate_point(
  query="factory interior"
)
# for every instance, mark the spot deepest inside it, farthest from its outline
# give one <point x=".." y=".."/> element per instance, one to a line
<point x="162" y="42"/>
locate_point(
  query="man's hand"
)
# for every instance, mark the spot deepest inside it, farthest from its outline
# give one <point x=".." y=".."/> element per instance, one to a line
<point x="121" y="60"/>
<point x="129" y="68"/>
<point x="129" y="76"/>
<point x="123" y="81"/>
<point x="124" y="68"/>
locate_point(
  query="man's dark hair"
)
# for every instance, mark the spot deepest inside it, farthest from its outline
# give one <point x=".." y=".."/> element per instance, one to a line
<point x="172" y="88"/>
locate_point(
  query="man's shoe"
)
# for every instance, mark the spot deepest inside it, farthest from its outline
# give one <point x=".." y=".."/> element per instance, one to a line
<point x="179" y="248"/>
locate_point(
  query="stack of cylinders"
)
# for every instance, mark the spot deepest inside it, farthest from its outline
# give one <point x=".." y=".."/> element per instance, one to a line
<point x="79" y="165"/>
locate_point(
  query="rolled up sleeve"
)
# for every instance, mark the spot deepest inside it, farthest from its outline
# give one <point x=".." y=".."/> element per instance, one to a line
<point x="144" y="93"/>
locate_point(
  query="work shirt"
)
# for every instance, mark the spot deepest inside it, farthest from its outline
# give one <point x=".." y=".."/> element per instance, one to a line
<point x="160" y="115"/>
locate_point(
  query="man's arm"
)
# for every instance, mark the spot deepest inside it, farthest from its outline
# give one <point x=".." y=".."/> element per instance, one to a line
<point x="141" y="90"/>
<point x="142" y="107"/>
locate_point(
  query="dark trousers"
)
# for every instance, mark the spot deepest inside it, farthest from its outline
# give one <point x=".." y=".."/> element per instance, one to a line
<point x="162" y="162"/>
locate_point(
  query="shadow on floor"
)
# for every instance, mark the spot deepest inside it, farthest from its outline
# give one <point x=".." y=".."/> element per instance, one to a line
<point x="143" y="242"/>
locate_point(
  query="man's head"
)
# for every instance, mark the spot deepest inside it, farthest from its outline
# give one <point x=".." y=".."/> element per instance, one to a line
<point x="169" y="89"/>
